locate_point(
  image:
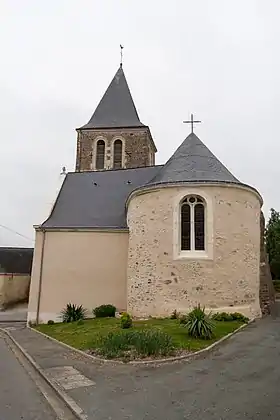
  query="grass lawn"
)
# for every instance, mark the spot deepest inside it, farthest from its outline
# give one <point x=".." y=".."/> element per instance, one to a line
<point x="85" y="336"/>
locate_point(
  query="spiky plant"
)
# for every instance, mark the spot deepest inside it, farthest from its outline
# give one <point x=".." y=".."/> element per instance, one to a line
<point x="73" y="312"/>
<point x="199" y="324"/>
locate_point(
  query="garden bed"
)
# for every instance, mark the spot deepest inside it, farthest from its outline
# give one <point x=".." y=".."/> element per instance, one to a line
<point x="86" y="335"/>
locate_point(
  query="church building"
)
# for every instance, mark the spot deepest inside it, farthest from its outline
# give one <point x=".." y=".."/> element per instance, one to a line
<point x="147" y="238"/>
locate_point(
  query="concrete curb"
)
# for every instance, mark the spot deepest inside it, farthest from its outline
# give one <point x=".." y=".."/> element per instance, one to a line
<point x="155" y="361"/>
<point x="71" y="404"/>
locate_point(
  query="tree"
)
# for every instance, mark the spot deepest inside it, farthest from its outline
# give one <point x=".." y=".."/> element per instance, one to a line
<point x="272" y="239"/>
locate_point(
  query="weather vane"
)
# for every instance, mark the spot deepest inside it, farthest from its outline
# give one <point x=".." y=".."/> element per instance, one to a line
<point x="192" y="122"/>
<point x="121" y="47"/>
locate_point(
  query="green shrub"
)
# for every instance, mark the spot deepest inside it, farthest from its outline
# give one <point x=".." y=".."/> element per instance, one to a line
<point x="126" y="320"/>
<point x="73" y="313"/>
<point x="199" y="324"/>
<point x="105" y="311"/>
<point x="132" y="344"/>
<point x="175" y="315"/>
<point x="222" y="316"/>
<point x="50" y="322"/>
<point x="225" y="317"/>
<point x="80" y="322"/>
<point x="276" y="284"/>
<point x="236" y="316"/>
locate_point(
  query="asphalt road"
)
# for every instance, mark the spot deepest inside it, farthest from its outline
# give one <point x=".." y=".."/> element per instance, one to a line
<point x="19" y="397"/>
<point x="239" y="381"/>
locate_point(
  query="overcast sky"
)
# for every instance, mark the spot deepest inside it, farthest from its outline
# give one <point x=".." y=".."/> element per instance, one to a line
<point x="218" y="59"/>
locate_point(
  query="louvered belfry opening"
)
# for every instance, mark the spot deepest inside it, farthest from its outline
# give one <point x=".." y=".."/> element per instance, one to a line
<point x="193" y="224"/>
<point x="100" y="154"/>
<point x="118" y="149"/>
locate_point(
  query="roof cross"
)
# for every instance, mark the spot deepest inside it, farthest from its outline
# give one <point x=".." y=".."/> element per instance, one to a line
<point x="121" y="47"/>
<point x="192" y="122"/>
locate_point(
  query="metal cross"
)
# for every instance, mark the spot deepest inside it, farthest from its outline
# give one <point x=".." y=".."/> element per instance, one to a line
<point x="121" y="47"/>
<point x="192" y="122"/>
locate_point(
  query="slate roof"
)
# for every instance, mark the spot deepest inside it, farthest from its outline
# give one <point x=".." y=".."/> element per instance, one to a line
<point x="193" y="162"/>
<point x="97" y="199"/>
<point x="83" y="204"/>
<point x="116" y="109"/>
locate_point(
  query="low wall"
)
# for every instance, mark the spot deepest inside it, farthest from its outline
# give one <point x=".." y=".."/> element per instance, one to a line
<point x="13" y="288"/>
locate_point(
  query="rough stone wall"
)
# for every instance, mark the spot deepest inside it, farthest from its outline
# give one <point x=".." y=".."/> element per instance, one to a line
<point x="267" y="292"/>
<point x="138" y="147"/>
<point x="158" y="283"/>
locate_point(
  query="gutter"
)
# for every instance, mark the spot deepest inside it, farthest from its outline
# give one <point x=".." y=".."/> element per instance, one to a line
<point x="40" y="276"/>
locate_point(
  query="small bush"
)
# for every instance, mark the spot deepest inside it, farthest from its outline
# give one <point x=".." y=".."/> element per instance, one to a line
<point x="105" y="311"/>
<point x="50" y="322"/>
<point x="80" y="322"/>
<point x="199" y="324"/>
<point x="276" y="284"/>
<point x="222" y="316"/>
<point x="132" y="344"/>
<point x="225" y="317"/>
<point x="175" y="315"/>
<point x="126" y="320"/>
<point x="236" y="316"/>
<point x="73" y="313"/>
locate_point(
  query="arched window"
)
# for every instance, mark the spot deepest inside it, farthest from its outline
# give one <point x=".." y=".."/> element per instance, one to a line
<point x="117" y="162"/>
<point x="193" y="224"/>
<point x="100" y="154"/>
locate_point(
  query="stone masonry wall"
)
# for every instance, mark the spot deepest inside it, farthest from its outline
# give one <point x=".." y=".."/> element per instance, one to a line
<point x="267" y="293"/>
<point x="138" y="147"/>
<point x="158" y="283"/>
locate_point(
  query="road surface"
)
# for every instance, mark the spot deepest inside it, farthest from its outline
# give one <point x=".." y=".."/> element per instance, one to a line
<point x="20" y="398"/>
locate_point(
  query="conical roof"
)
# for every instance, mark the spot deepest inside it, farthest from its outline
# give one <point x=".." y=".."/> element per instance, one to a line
<point x="193" y="162"/>
<point x="116" y="109"/>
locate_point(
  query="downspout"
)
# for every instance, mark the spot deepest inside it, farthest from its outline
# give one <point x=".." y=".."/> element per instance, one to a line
<point x="40" y="277"/>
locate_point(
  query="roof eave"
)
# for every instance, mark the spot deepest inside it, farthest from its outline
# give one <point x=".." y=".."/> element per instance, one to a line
<point x="81" y="228"/>
<point x="84" y="127"/>
<point x="147" y="187"/>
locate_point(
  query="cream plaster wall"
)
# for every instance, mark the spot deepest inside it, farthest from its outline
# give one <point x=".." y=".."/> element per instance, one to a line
<point x="82" y="267"/>
<point x="227" y="280"/>
<point x="13" y="288"/>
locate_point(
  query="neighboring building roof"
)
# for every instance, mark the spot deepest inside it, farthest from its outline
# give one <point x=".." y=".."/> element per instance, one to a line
<point x="193" y="162"/>
<point x="97" y="199"/>
<point x="116" y="109"/>
<point x="16" y="260"/>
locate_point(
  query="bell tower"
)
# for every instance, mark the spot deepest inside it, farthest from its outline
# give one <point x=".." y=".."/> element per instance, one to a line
<point x="114" y="137"/>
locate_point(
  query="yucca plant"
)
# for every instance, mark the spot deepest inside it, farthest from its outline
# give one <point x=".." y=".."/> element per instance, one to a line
<point x="199" y="324"/>
<point x="73" y="312"/>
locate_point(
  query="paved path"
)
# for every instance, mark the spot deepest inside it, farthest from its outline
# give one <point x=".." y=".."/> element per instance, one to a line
<point x="19" y="396"/>
<point x="238" y="381"/>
